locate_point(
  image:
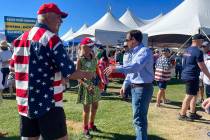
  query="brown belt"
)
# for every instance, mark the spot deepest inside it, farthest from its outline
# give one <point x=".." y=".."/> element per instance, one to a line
<point x="140" y="85"/>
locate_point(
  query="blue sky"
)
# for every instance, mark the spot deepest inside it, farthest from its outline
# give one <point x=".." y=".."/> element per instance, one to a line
<point x="86" y="11"/>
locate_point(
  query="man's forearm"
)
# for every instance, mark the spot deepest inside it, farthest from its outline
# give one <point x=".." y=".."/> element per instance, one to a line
<point x="79" y="75"/>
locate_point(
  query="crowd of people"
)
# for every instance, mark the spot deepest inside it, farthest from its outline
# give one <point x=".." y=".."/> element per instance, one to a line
<point x="39" y="73"/>
<point x="188" y="65"/>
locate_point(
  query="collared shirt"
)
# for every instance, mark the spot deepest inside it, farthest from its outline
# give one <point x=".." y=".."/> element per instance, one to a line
<point x="39" y="61"/>
<point x="140" y="68"/>
<point x="126" y="60"/>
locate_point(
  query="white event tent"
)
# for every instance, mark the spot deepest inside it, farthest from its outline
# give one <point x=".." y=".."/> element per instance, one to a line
<point x="149" y="23"/>
<point x="130" y="20"/>
<point x="188" y="18"/>
<point x="66" y="35"/>
<point x="77" y="33"/>
<point x="107" y="23"/>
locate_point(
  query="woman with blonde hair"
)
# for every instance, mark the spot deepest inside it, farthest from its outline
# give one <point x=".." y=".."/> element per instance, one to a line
<point x="89" y="93"/>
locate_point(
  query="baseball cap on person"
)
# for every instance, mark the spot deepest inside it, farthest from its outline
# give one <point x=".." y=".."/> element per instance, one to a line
<point x="198" y="36"/>
<point x="125" y="44"/>
<point x="166" y="50"/>
<point x="87" y="42"/>
<point x="51" y="7"/>
<point x="205" y="43"/>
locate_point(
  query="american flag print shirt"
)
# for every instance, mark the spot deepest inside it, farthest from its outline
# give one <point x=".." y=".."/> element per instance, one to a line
<point x="39" y="62"/>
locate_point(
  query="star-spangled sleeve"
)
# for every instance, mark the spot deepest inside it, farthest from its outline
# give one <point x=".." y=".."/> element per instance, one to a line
<point x="62" y="61"/>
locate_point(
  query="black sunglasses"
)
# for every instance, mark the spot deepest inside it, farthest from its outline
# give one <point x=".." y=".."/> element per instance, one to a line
<point x="91" y="47"/>
<point x="203" y="46"/>
<point x="126" y="40"/>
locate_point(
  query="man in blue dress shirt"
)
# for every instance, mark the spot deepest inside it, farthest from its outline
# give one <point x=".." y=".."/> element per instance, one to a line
<point x="139" y="73"/>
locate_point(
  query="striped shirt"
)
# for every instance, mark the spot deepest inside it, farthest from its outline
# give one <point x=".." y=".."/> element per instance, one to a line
<point x="163" y="69"/>
<point x="39" y="62"/>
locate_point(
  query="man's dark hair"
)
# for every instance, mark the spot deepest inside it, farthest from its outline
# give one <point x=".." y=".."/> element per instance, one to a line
<point x="136" y="34"/>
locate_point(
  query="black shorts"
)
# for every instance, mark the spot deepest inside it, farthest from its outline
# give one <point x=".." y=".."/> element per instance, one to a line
<point x="192" y="87"/>
<point x="51" y="126"/>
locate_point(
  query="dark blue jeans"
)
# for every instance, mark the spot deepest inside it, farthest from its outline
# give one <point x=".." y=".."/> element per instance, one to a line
<point x="178" y="71"/>
<point x="141" y="97"/>
<point x="5" y="72"/>
<point x="128" y="92"/>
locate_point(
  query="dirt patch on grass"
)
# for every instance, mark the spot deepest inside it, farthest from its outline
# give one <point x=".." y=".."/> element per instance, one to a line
<point x="75" y="127"/>
<point x="116" y="90"/>
<point x="163" y="121"/>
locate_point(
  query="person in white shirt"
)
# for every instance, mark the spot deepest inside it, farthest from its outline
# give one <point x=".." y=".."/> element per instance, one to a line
<point x="6" y="55"/>
<point x="206" y="81"/>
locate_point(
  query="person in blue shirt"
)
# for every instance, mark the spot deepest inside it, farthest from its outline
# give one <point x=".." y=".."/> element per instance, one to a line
<point x="139" y="74"/>
<point x="178" y="67"/>
<point x="193" y="62"/>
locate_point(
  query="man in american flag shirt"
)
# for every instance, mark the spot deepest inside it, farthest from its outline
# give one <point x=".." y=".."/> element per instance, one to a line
<point x="39" y="62"/>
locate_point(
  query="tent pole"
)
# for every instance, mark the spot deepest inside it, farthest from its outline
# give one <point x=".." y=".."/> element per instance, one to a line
<point x="72" y="51"/>
<point x="205" y="35"/>
<point x="181" y="47"/>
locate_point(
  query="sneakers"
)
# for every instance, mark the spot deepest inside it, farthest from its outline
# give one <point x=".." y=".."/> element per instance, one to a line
<point x="93" y="128"/>
<point x="157" y="105"/>
<point x="194" y="116"/>
<point x="184" y="118"/>
<point x="86" y="134"/>
<point x="166" y="101"/>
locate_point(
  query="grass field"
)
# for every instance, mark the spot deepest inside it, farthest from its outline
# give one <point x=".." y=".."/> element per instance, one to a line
<point x="114" y="118"/>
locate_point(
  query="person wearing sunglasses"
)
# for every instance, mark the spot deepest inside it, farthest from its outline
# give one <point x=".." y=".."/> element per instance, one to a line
<point x="88" y="93"/>
<point x="139" y="74"/>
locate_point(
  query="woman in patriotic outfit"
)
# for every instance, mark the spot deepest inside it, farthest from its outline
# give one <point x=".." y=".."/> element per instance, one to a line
<point x="162" y="75"/>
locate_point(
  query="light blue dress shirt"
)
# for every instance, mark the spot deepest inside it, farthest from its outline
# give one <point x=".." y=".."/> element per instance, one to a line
<point x="126" y="60"/>
<point x="139" y="68"/>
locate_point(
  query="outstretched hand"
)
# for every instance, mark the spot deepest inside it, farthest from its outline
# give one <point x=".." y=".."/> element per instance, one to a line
<point x="122" y="91"/>
<point x="206" y="105"/>
<point x="109" y="70"/>
<point x="90" y="75"/>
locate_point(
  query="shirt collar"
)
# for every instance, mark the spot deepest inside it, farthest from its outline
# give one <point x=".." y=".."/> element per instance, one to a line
<point x="42" y="25"/>
<point x="138" y="47"/>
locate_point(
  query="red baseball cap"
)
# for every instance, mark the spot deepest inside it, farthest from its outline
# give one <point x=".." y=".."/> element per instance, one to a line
<point x="87" y="42"/>
<point x="51" y="7"/>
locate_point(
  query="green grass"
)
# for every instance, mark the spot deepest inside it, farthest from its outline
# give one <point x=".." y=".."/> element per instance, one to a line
<point x="114" y="117"/>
